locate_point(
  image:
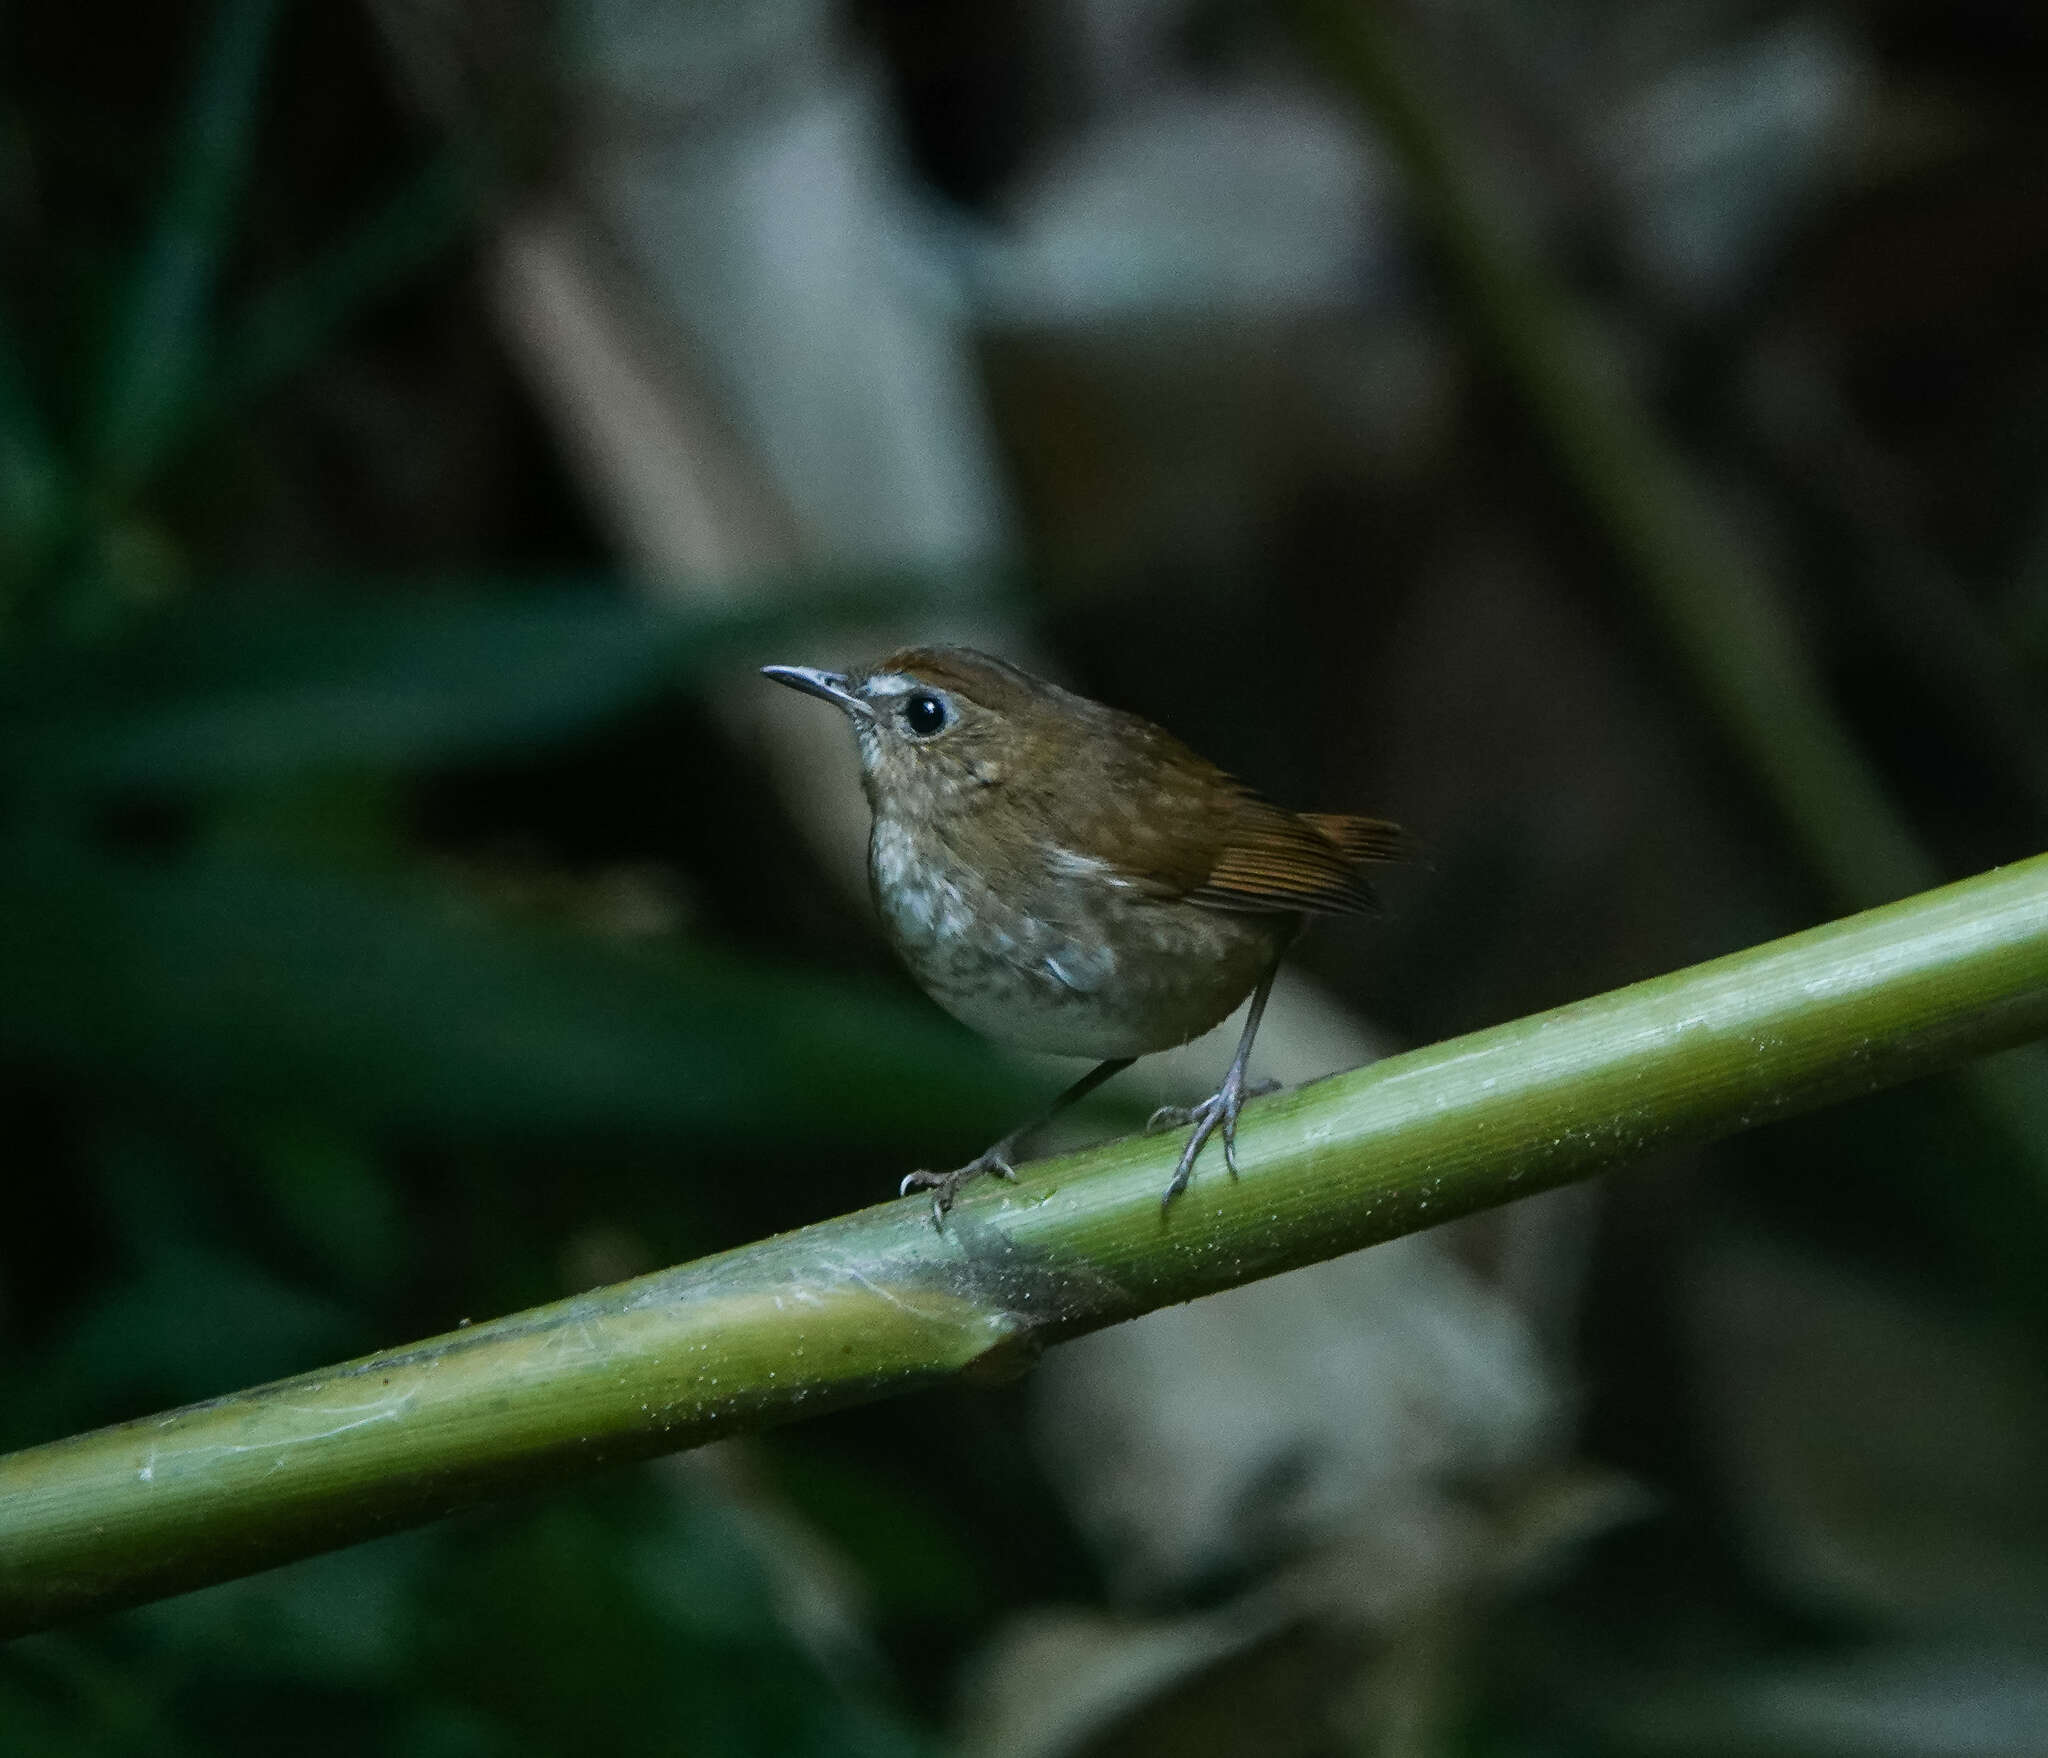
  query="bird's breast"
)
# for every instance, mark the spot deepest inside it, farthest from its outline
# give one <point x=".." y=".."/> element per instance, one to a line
<point x="1048" y="951"/>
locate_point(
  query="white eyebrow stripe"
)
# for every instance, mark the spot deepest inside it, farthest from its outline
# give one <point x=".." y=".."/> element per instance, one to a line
<point x="890" y="683"/>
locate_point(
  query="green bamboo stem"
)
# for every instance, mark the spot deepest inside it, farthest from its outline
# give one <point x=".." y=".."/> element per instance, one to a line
<point x="878" y="1302"/>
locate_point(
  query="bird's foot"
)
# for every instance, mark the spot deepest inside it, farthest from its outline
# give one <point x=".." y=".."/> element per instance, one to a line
<point x="1217" y="1112"/>
<point x="945" y="1186"/>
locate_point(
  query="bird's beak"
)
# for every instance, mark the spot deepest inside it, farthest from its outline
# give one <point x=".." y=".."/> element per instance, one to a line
<point x="831" y="686"/>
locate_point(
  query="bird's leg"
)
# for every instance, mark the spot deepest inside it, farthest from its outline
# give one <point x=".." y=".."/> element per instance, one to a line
<point x="1219" y="1111"/>
<point x="944" y="1186"/>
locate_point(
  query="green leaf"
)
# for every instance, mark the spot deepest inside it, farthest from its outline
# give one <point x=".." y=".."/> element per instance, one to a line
<point x="32" y="486"/>
<point x="162" y="334"/>
<point x="234" y="1321"/>
<point x="248" y="687"/>
<point x="243" y="686"/>
<point x="289" y="323"/>
<point x="229" y="982"/>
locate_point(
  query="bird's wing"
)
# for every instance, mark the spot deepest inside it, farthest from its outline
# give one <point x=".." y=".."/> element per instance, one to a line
<point x="1195" y="834"/>
<point x="1167" y="824"/>
<point x="1272" y="859"/>
<point x="1366" y="840"/>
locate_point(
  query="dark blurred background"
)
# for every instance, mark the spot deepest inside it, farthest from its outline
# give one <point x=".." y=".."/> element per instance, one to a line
<point x="415" y="420"/>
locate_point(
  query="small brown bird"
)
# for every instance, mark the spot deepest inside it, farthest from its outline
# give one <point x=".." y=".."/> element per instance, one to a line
<point x="1067" y="877"/>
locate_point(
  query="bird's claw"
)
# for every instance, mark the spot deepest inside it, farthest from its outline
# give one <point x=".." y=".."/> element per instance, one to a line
<point x="945" y="1186"/>
<point x="1218" y="1112"/>
<point x="1172" y="1116"/>
<point x="1167" y="1116"/>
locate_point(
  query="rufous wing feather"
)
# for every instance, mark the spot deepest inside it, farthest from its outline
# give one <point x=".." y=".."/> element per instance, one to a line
<point x="1208" y="839"/>
<point x="1371" y="840"/>
<point x="1277" y="860"/>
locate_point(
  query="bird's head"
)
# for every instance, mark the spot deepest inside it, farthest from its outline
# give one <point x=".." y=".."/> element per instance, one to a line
<point x="939" y="726"/>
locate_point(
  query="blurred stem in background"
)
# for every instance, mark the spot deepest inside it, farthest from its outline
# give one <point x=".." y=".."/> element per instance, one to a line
<point x="1725" y="619"/>
<point x="1911" y="592"/>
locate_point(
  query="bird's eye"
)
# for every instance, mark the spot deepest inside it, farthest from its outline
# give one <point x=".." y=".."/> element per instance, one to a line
<point x="924" y="714"/>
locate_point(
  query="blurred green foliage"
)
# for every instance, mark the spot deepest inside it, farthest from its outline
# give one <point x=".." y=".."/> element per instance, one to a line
<point x="632" y="1620"/>
<point x="291" y="1075"/>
